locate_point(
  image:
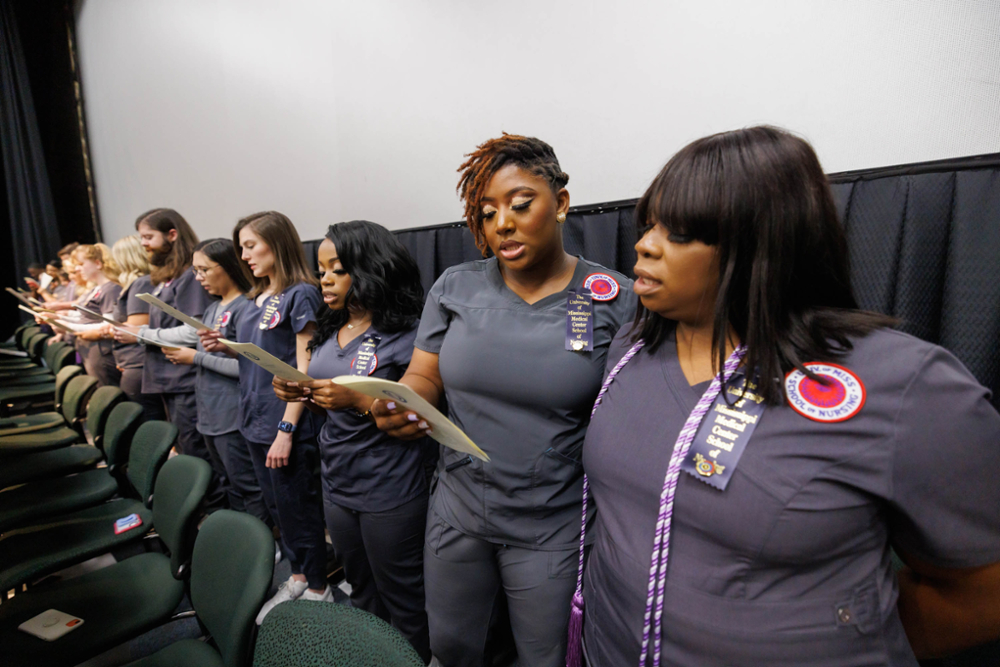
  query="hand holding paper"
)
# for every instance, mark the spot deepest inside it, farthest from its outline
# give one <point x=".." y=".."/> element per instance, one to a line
<point x="441" y="428"/>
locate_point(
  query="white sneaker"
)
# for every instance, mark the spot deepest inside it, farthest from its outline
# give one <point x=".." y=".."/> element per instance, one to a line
<point x="287" y="591"/>
<point x="325" y="596"/>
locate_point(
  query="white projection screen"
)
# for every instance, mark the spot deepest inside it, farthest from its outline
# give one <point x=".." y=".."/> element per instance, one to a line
<point x="330" y="110"/>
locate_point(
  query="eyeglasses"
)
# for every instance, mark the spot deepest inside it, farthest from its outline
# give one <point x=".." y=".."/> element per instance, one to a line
<point x="202" y="272"/>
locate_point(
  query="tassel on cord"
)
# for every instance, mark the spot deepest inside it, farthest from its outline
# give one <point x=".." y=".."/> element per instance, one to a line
<point x="574" y="648"/>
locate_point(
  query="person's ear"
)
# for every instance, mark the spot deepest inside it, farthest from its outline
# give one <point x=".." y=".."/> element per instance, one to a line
<point x="562" y="201"/>
<point x="172" y="235"/>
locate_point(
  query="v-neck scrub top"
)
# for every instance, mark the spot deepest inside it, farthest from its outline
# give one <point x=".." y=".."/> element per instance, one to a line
<point x="789" y="565"/>
<point x="272" y="326"/>
<point x="520" y="395"/>
<point x="159" y="376"/>
<point x="101" y="300"/>
<point x="364" y="469"/>
<point x="217" y="383"/>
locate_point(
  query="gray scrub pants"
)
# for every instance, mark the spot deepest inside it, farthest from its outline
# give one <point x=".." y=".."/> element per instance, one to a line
<point x="462" y="576"/>
<point x="182" y="411"/>
<point x="233" y="455"/>
<point x="382" y="555"/>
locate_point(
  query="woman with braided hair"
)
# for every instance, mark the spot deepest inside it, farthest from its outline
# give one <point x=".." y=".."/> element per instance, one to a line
<point x="516" y="345"/>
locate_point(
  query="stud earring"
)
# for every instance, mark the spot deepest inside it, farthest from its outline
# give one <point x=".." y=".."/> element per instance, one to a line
<point x="560" y="218"/>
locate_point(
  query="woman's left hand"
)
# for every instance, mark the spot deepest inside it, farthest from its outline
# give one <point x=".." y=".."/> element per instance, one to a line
<point x="331" y="396"/>
<point x="180" y="355"/>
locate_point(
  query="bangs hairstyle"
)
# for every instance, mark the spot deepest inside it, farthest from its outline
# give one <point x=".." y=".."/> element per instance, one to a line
<point x="179" y="258"/>
<point x="132" y="260"/>
<point x="761" y="197"/>
<point x="222" y="253"/>
<point x="532" y="155"/>
<point x="385" y="280"/>
<point x="99" y="252"/>
<point x="278" y="232"/>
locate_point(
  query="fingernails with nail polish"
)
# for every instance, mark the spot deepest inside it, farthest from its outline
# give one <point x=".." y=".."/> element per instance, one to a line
<point x="423" y="425"/>
<point x="390" y="405"/>
<point x="412" y="417"/>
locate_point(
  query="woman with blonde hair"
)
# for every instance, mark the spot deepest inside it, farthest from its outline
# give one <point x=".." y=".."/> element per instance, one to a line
<point x="134" y="267"/>
<point x="93" y="341"/>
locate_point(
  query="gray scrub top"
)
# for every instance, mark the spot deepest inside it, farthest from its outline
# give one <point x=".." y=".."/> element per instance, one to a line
<point x="101" y="300"/>
<point x="364" y="469"/>
<point x="131" y="355"/>
<point x="514" y="388"/>
<point x="790" y="564"/>
<point x="159" y="376"/>
<point x="217" y="388"/>
<point x="273" y="326"/>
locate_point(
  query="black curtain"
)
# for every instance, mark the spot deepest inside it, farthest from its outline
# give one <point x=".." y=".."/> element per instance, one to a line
<point x="33" y="231"/>
<point x="44" y="197"/>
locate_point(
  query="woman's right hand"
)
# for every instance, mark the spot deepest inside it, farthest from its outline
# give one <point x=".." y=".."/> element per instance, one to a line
<point x="126" y="334"/>
<point x="210" y="341"/>
<point x="400" y="424"/>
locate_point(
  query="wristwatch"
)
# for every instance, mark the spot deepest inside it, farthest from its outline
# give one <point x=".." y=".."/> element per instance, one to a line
<point x="287" y="427"/>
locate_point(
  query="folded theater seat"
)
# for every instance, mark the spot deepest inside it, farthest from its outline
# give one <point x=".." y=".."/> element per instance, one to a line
<point x="55" y="357"/>
<point x="32" y="502"/>
<point x="30" y="552"/>
<point x="22" y="423"/>
<point x="33" y="398"/>
<point x="231" y="572"/>
<point x="128" y="598"/>
<point x="75" y="399"/>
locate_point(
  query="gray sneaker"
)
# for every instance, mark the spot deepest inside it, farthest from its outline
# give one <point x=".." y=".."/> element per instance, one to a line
<point x="287" y="591"/>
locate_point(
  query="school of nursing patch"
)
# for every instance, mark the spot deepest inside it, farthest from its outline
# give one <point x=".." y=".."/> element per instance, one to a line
<point x="840" y="399"/>
<point x="224" y="320"/>
<point x="602" y="286"/>
<point x="271" y="314"/>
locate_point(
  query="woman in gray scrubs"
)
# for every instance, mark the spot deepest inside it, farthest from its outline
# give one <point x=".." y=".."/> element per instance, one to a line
<point x="130" y="310"/>
<point x="374" y="487"/>
<point x="217" y="389"/>
<point x="516" y="344"/>
<point x="93" y="344"/>
<point x="768" y="502"/>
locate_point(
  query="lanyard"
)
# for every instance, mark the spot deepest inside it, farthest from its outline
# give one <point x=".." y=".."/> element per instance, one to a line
<point x="661" y="540"/>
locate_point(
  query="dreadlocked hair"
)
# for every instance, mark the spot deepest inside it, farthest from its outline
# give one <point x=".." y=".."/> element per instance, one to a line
<point x="533" y="155"/>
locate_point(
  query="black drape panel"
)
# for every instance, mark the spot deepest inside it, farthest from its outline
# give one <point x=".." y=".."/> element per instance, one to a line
<point x="924" y="243"/>
<point x="33" y="230"/>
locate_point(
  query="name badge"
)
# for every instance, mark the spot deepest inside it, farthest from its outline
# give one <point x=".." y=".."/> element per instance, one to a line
<point x="579" y="321"/>
<point x="271" y="316"/>
<point x="724" y="434"/>
<point x="366" y="361"/>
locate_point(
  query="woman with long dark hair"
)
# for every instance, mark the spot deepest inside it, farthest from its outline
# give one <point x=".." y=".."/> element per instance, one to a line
<point x="217" y="389"/>
<point x="280" y="317"/>
<point x="374" y="486"/>
<point x="760" y="443"/>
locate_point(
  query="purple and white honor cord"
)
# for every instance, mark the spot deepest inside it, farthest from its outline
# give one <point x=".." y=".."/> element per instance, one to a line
<point x="661" y="539"/>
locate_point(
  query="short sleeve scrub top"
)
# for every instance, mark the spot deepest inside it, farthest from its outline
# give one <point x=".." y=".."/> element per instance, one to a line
<point x="521" y="396"/>
<point x="790" y="564"/>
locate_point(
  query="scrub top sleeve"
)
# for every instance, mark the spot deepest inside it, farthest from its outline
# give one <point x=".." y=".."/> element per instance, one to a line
<point x="434" y="320"/>
<point x="305" y="304"/>
<point x="192" y="300"/>
<point x="946" y="454"/>
<point x="134" y="305"/>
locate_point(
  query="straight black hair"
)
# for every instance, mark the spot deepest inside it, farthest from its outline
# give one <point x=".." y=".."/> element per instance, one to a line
<point x="761" y="197"/>
<point x="385" y="280"/>
<point x="222" y="253"/>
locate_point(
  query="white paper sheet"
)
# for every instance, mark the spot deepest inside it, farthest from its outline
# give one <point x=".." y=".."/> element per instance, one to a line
<point x="20" y="297"/>
<point x="48" y="318"/>
<point x="267" y="361"/>
<point x="173" y="312"/>
<point x="100" y="316"/>
<point x="442" y="429"/>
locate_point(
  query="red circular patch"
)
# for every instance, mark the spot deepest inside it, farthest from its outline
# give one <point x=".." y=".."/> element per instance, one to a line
<point x="602" y="287"/>
<point x="821" y="395"/>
